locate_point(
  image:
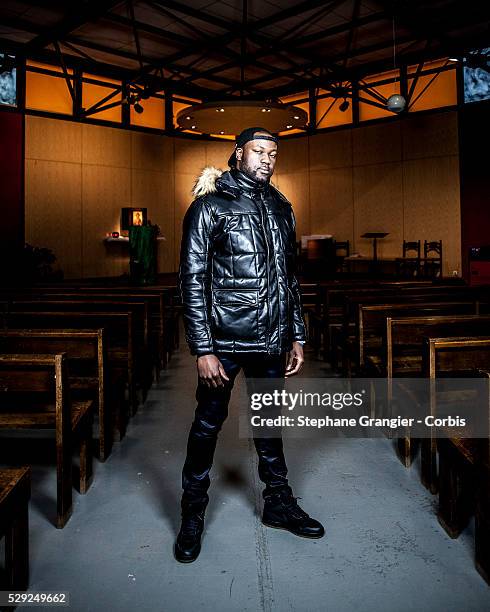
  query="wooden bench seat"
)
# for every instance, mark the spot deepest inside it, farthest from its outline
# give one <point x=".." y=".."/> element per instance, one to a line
<point x="464" y="462"/>
<point x="87" y="364"/>
<point x="118" y="327"/>
<point x="15" y="492"/>
<point x="402" y="356"/>
<point x="35" y="394"/>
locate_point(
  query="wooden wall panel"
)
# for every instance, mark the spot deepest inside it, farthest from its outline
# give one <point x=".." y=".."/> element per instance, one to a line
<point x="105" y="190"/>
<point x="217" y="153"/>
<point x="375" y="144"/>
<point x="432" y="206"/>
<point x="344" y="182"/>
<point x="53" y="208"/>
<point x="189" y="156"/>
<point x="331" y="203"/>
<point x="183" y="199"/>
<point x="155" y="190"/>
<point x="378" y="207"/>
<point x="152" y="152"/>
<point x="53" y="140"/>
<point x="296" y="188"/>
<point x="105" y="146"/>
<point x="430" y="135"/>
<point x="292" y="157"/>
<point x="330" y="150"/>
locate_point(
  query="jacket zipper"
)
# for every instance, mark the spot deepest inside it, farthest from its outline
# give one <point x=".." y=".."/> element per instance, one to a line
<point x="267" y="336"/>
<point x="268" y="282"/>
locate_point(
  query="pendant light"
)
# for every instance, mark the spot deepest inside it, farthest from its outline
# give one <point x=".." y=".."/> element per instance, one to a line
<point x="396" y="102"/>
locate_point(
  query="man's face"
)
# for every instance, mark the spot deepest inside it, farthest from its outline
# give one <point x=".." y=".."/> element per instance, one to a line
<point x="257" y="158"/>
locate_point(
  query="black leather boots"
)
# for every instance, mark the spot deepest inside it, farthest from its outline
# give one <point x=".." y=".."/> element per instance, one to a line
<point x="188" y="543"/>
<point x="281" y="510"/>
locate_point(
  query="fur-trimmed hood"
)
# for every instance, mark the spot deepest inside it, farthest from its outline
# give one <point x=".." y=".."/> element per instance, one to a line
<point x="206" y="181"/>
<point x="212" y="180"/>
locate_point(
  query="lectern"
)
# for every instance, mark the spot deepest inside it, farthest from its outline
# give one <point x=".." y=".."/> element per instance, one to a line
<point x="375" y="236"/>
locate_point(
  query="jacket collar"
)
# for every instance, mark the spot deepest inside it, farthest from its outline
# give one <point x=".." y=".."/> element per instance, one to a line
<point x="231" y="183"/>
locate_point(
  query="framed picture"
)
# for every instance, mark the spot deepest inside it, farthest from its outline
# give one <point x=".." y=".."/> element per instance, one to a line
<point x="132" y="216"/>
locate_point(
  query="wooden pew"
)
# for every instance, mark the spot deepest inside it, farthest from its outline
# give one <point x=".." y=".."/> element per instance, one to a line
<point x="371" y="323"/>
<point x="403" y="346"/>
<point x="87" y="363"/>
<point x="140" y="318"/>
<point x="15" y="492"/>
<point x="464" y="463"/>
<point x="346" y="340"/>
<point x="34" y="394"/>
<point x="328" y="316"/>
<point x="157" y="298"/>
<point x="154" y="316"/>
<point x="403" y="340"/>
<point x="118" y="328"/>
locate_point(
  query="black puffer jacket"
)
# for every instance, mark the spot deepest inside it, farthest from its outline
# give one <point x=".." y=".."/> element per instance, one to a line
<point x="236" y="274"/>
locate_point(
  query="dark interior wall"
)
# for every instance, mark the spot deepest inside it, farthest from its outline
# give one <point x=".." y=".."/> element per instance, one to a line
<point x="11" y="180"/>
<point x="474" y="141"/>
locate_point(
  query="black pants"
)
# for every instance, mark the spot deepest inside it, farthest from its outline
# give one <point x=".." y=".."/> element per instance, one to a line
<point x="211" y="412"/>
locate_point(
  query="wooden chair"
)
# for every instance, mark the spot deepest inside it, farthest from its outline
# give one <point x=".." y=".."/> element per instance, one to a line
<point x="34" y="394"/>
<point x="409" y="266"/>
<point x="15" y="492"/>
<point x="342" y="250"/>
<point x="433" y="264"/>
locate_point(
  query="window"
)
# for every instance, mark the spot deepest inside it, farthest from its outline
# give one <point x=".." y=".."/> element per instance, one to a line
<point x="375" y="90"/>
<point x="153" y="115"/>
<point x="8" y="80"/>
<point x="435" y="89"/>
<point x="47" y="89"/>
<point x="333" y="110"/>
<point x="102" y="91"/>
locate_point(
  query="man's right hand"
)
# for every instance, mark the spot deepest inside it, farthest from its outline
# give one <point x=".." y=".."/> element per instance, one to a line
<point x="211" y="371"/>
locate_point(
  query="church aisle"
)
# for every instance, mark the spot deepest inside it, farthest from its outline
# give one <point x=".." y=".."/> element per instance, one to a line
<point x="383" y="548"/>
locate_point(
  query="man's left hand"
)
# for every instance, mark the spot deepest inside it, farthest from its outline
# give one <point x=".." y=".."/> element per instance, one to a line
<point x="295" y="360"/>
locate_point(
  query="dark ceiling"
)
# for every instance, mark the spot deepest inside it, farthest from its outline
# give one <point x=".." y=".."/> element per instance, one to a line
<point x="251" y="48"/>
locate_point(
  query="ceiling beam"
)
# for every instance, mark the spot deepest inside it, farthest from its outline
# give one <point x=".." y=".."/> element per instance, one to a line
<point x="79" y="14"/>
<point x="457" y="48"/>
<point x="441" y="29"/>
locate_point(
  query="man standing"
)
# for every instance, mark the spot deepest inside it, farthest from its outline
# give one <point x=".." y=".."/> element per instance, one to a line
<point x="241" y="309"/>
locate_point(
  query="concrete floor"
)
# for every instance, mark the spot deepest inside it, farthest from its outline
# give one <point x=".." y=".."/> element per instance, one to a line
<point x="383" y="549"/>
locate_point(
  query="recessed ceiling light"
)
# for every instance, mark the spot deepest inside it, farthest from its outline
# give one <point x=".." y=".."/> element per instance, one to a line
<point x="221" y="132"/>
<point x="288" y="127"/>
<point x="188" y="118"/>
<point x="296" y="117"/>
<point x="220" y="110"/>
<point x="193" y="127"/>
<point x="266" y="110"/>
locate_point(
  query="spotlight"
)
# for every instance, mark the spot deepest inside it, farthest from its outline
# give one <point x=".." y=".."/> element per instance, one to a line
<point x="288" y="127"/>
<point x="221" y="132"/>
<point x="193" y="127"/>
<point x="296" y="117"/>
<point x="188" y="117"/>
<point x="266" y="110"/>
<point x="138" y="108"/>
<point x="343" y="106"/>
<point x="220" y="110"/>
